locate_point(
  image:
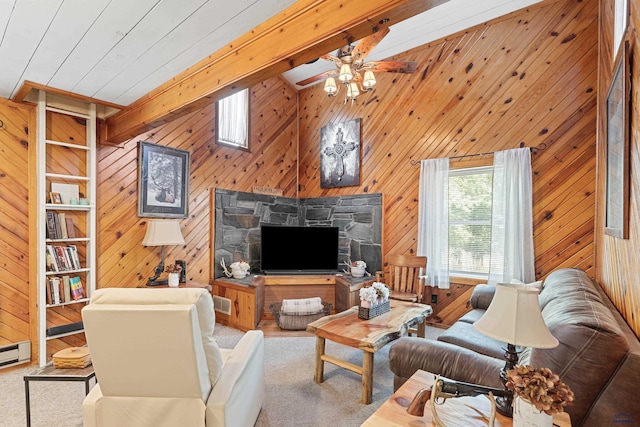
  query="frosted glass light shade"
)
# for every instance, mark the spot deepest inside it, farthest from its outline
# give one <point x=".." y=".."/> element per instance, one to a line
<point x="330" y="86"/>
<point x="162" y="232"/>
<point x="352" y="91"/>
<point x="369" y="79"/>
<point x="514" y="317"/>
<point x="345" y="73"/>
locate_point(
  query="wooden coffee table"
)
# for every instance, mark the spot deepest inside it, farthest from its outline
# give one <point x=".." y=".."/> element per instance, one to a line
<point x="368" y="335"/>
<point x="458" y="412"/>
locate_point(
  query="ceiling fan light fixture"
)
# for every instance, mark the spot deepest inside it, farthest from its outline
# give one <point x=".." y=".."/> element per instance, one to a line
<point x="369" y="80"/>
<point x="330" y="86"/>
<point x="345" y="73"/>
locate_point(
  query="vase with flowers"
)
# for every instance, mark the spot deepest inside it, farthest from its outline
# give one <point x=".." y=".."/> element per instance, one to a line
<point x="173" y="279"/>
<point x="374" y="300"/>
<point x="538" y="394"/>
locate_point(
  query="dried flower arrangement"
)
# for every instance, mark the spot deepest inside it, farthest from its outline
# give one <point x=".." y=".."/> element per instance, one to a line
<point x="540" y="387"/>
<point x="373" y="292"/>
<point x="173" y="268"/>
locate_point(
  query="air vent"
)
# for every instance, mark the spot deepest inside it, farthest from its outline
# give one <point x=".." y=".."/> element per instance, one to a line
<point x="14" y="354"/>
<point x="221" y="304"/>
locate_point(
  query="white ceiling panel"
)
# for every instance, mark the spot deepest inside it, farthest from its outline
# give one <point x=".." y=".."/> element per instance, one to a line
<point x="119" y="50"/>
<point x="28" y="23"/>
<point x="107" y="30"/>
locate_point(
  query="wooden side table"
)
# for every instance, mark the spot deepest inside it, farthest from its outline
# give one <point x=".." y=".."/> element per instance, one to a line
<point x="187" y="284"/>
<point x="458" y="412"/>
<point x="247" y="302"/>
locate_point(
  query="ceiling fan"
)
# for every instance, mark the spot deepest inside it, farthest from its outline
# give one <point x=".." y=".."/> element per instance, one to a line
<point x="350" y="63"/>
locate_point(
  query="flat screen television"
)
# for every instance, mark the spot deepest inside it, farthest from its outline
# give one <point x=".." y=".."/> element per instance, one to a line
<point x="298" y="250"/>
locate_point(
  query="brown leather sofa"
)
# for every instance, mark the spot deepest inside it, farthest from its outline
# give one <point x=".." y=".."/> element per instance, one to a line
<point x="598" y="355"/>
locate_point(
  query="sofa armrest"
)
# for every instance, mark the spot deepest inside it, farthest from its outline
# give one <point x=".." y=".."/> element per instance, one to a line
<point x="482" y="296"/>
<point x="237" y="396"/>
<point x="408" y="354"/>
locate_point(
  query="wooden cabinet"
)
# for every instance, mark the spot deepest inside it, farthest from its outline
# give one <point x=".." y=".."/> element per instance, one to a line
<point x="348" y="291"/>
<point x="245" y="302"/>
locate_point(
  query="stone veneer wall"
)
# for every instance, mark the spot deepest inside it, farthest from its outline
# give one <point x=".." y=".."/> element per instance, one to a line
<point x="239" y="215"/>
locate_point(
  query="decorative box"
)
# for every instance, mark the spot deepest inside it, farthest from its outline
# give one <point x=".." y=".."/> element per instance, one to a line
<point x="73" y="357"/>
<point x="377" y="310"/>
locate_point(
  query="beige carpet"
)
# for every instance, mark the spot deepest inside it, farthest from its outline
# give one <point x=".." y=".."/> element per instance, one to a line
<point x="292" y="399"/>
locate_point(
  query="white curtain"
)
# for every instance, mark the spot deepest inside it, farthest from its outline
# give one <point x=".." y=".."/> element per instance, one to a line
<point x="512" y="254"/>
<point x="433" y="220"/>
<point x="233" y="119"/>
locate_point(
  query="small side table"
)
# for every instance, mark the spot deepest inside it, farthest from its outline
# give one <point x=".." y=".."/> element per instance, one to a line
<point x="50" y="373"/>
<point x="458" y="412"/>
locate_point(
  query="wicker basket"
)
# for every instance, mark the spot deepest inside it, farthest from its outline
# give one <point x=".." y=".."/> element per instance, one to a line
<point x="297" y="322"/>
<point x="370" y="313"/>
<point x="73" y="357"/>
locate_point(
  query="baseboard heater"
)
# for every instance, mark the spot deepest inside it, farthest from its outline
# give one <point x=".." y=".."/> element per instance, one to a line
<point x="222" y="304"/>
<point x="14" y="354"/>
<point x="64" y="329"/>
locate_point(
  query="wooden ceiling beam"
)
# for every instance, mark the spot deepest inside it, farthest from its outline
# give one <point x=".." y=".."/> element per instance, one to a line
<point x="299" y="34"/>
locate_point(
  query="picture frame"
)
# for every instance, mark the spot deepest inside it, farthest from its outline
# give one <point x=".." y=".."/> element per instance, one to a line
<point x="163" y="181"/>
<point x="340" y="154"/>
<point x="55" y="198"/>
<point x="617" y="148"/>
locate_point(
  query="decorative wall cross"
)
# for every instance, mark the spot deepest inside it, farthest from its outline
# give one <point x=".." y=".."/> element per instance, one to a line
<point x="340" y="156"/>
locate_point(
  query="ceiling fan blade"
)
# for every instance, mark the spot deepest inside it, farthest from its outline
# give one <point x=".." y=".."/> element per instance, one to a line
<point x="331" y="73"/>
<point x="332" y="58"/>
<point x="407" y="67"/>
<point x="367" y="44"/>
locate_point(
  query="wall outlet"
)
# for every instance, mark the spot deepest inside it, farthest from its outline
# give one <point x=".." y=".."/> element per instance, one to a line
<point x="434" y="298"/>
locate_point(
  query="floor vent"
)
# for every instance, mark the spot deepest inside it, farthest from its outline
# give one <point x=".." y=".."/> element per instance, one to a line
<point x="14" y="354"/>
<point x="221" y="304"/>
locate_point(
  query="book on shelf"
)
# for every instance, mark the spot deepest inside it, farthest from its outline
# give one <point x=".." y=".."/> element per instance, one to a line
<point x="66" y="285"/>
<point x="63" y="329"/>
<point x="62" y="219"/>
<point x="54" y="282"/>
<point x="51" y="263"/>
<point x="77" y="290"/>
<point x="71" y="232"/>
<point x="51" y="225"/>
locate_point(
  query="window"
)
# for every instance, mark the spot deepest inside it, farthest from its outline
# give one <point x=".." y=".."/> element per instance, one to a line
<point x="233" y="120"/>
<point x="470" y="197"/>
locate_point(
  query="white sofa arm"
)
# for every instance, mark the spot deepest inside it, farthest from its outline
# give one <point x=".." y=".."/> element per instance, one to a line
<point x="237" y="396"/>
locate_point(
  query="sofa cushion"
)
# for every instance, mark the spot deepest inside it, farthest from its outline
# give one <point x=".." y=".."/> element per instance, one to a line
<point x="465" y="335"/>
<point x="472" y="316"/>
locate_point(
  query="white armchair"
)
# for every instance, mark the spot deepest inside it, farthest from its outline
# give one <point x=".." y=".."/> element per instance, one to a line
<point x="158" y="365"/>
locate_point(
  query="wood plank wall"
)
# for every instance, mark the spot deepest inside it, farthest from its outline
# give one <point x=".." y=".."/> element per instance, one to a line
<point x="618" y="259"/>
<point x="271" y="162"/>
<point x="529" y="79"/>
<point x="14" y="221"/>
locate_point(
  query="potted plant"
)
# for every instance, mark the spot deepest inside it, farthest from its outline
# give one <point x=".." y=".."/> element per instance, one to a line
<point x="538" y="394"/>
<point x="173" y="280"/>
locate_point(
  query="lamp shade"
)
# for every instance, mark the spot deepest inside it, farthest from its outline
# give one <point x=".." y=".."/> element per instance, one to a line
<point x="162" y="232"/>
<point x="514" y="317"/>
<point x="330" y="86"/>
<point x="369" y="79"/>
<point x="345" y="73"/>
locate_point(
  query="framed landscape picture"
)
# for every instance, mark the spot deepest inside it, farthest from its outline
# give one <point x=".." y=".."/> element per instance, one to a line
<point x="340" y="154"/>
<point x="617" y="178"/>
<point x="163" y="181"/>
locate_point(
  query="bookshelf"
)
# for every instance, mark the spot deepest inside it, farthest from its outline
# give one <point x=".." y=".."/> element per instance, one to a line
<point x="66" y="216"/>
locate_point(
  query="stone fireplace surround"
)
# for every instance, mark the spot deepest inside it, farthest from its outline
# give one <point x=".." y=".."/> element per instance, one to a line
<point x="239" y="215"/>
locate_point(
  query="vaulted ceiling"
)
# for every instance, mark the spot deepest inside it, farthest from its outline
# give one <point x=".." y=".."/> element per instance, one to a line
<point x="120" y="50"/>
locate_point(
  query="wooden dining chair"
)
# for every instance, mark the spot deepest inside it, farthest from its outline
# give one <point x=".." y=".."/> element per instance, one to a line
<point x="403" y="278"/>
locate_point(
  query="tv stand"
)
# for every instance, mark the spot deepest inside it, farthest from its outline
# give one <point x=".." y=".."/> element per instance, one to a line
<point x="251" y="297"/>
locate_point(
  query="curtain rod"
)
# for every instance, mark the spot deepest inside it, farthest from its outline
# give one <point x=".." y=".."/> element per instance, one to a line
<point x="540" y="147"/>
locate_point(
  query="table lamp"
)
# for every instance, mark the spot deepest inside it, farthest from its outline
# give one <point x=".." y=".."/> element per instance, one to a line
<point x="161" y="232"/>
<point x="514" y="317"/>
